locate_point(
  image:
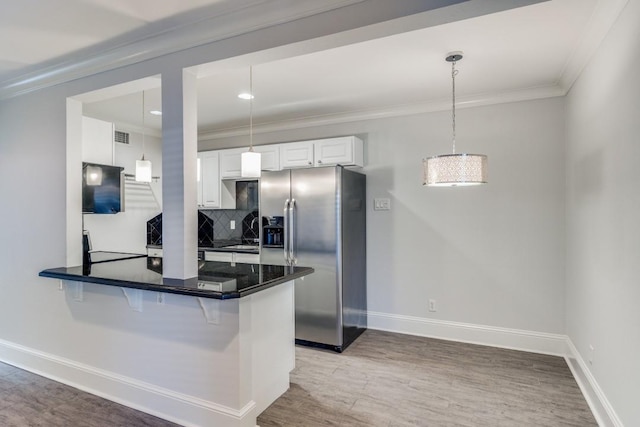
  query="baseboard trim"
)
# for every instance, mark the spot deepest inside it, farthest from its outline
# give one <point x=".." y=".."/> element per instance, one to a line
<point x="186" y="410"/>
<point x="515" y="339"/>
<point x="602" y="410"/>
<point x="176" y="407"/>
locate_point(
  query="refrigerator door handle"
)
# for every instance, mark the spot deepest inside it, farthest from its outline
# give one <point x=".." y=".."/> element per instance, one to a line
<point x="286" y="231"/>
<point x="292" y="235"/>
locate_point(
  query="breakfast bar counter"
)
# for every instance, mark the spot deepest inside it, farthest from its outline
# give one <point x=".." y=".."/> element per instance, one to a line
<point x="215" y="350"/>
<point x="218" y="280"/>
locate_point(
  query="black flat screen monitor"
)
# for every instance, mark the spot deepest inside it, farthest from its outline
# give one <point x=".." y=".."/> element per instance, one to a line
<point x="101" y="188"/>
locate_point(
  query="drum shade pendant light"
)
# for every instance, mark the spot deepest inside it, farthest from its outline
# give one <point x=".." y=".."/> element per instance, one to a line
<point x="250" y="161"/>
<point x="452" y="170"/>
<point x="143" y="167"/>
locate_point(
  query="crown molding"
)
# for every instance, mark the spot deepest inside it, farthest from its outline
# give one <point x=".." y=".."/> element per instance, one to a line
<point x="602" y="19"/>
<point x="241" y="18"/>
<point x="391" y="111"/>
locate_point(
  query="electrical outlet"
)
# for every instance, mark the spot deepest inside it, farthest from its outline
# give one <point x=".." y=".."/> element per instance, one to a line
<point x="160" y="298"/>
<point x="432" y="305"/>
<point x="232" y="224"/>
<point x="591" y="349"/>
<point x="381" y="204"/>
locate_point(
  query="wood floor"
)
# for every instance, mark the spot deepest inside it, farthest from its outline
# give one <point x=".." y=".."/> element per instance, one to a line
<point x="382" y="380"/>
<point x="386" y="380"/>
<point x="29" y="400"/>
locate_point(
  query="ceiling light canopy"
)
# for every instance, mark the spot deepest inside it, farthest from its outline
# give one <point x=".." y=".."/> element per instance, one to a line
<point x="453" y="170"/>
<point x="155" y="112"/>
<point x="245" y="95"/>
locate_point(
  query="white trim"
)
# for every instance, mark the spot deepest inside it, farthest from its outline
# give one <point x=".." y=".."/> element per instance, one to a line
<point x="602" y="19"/>
<point x="158" y="401"/>
<point x="239" y="18"/>
<point x="515" y="339"/>
<point x="600" y="406"/>
<point x="390" y="111"/>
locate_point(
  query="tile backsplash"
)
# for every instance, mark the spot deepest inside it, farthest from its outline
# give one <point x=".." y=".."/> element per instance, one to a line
<point x="222" y="223"/>
<point x="214" y="225"/>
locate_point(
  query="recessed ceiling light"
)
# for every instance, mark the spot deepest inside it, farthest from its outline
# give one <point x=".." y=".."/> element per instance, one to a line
<point x="245" y="95"/>
<point x="155" y="112"/>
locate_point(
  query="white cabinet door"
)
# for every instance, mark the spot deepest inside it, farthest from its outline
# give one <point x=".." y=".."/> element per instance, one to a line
<point x="346" y="151"/>
<point x="296" y="155"/>
<point x="244" y="258"/>
<point x="218" y="256"/>
<point x="230" y="162"/>
<point x="239" y="257"/>
<point x="154" y="252"/>
<point x="209" y="179"/>
<point x="270" y="157"/>
<point x="97" y="141"/>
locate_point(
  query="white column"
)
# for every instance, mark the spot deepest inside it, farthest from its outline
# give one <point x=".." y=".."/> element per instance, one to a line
<point x="74" y="182"/>
<point x="179" y="154"/>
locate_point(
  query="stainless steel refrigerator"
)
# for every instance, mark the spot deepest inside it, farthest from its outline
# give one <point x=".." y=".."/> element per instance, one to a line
<point x="322" y="212"/>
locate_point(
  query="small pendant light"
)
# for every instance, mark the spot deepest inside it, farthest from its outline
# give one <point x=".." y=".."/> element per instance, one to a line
<point x="143" y="167"/>
<point x="452" y="170"/>
<point x="250" y="161"/>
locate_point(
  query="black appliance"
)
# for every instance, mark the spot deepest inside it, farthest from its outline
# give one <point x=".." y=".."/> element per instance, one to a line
<point x="102" y="188"/>
<point x="247" y="195"/>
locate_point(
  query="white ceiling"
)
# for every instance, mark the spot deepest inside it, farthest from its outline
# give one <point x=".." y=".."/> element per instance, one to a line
<point x="48" y="29"/>
<point x="531" y="51"/>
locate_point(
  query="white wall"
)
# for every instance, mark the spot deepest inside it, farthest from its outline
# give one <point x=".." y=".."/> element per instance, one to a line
<point x="126" y="231"/>
<point x="41" y="326"/>
<point x="490" y="255"/>
<point x="603" y="211"/>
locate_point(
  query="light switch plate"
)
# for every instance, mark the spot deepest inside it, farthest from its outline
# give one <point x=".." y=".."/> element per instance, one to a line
<point x="381" y="204"/>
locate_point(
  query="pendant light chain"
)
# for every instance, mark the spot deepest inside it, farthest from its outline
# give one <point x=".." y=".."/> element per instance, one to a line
<point x="143" y="132"/>
<point x="454" y="72"/>
<point x="251" y="108"/>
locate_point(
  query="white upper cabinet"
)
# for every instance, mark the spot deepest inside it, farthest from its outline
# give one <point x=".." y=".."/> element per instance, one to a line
<point x="296" y="155"/>
<point x="230" y="162"/>
<point x="97" y="141"/>
<point x="346" y="151"/>
<point x="208" y="179"/>
<point x="270" y="157"/>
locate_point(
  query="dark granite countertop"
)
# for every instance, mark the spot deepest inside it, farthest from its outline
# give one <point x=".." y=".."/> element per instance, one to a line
<point x="105" y="256"/>
<point x="219" y="280"/>
<point x="224" y="246"/>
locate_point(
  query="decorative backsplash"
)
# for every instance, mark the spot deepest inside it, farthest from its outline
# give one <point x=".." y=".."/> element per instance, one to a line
<point x="205" y="231"/>
<point x="244" y="220"/>
<point x="154" y="230"/>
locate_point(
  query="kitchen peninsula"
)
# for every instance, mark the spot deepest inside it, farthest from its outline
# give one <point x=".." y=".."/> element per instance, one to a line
<point x="215" y="350"/>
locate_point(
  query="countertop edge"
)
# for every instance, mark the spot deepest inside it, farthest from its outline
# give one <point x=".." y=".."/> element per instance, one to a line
<point x="167" y="288"/>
